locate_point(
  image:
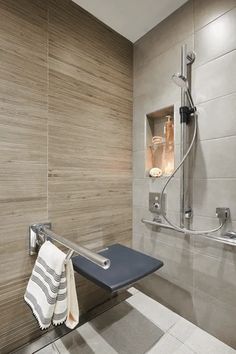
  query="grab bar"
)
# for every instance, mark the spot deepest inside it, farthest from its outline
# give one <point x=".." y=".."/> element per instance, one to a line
<point x="38" y="233"/>
<point x="228" y="240"/>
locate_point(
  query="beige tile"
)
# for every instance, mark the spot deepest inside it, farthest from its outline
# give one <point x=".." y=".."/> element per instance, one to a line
<point x="207" y="11"/>
<point x="80" y="90"/>
<point x="216" y="39"/>
<point x="23" y="145"/>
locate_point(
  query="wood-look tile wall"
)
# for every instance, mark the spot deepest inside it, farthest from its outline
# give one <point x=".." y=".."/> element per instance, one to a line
<point x="65" y="140"/>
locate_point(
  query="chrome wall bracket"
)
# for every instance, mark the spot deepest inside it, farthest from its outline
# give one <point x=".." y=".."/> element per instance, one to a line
<point x="222" y="213"/>
<point x="39" y="233"/>
<point x="35" y="239"/>
<point x="190" y="57"/>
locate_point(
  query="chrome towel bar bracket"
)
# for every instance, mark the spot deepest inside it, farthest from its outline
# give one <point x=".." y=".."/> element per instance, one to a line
<point x="39" y="233"/>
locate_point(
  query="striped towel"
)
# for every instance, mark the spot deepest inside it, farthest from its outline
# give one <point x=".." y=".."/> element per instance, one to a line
<point x="48" y="289"/>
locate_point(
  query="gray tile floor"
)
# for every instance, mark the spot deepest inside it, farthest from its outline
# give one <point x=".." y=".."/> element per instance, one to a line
<point x="136" y="326"/>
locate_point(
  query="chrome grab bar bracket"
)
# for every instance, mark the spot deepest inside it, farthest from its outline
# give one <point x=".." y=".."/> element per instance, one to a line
<point x="39" y="233"/>
<point x="35" y="238"/>
<point x="222" y="213"/>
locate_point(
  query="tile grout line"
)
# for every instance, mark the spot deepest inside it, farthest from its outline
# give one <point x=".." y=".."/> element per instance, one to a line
<point x="216" y="97"/>
<point x="224" y="13"/>
<point x="213" y="59"/>
<point x="47" y="108"/>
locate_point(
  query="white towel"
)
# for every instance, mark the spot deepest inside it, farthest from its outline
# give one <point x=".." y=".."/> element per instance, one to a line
<point x="48" y="290"/>
<point x="72" y="304"/>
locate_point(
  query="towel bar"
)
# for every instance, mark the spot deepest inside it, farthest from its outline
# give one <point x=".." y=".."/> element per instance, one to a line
<point x="123" y="265"/>
<point x="39" y="233"/>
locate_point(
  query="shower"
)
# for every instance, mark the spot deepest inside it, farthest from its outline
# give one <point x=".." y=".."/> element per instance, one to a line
<point x="188" y="113"/>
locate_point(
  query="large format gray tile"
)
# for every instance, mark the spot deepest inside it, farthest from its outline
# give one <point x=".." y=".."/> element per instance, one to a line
<point x="216" y="118"/>
<point x="168" y="344"/>
<point x="155" y="78"/>
<point x="140" y="193"/>
<point x="126" y="330"/>
<point x="140" y="228"/>
<point x="217" y="318"/>
<point x="198" y="340"/>
<point x="169" y="294"/>
<point x="216" y="39"/>
<point x="142" y="105"/>
<point x="211" y="193"/>
<point x="138" y="140"/>
<point x="49" y="349"/>
<point x="164" y="36"/>
<point x="214" y="158"/>
<point x="173" y="238"/>
<point x="83" y="340"/>
<point x="220" y="251"/>
<point x="207" y="11"/>
<point x="155" y="312"/>
<point x="216" y="78"/>
<point x="143" y="233"/>
<point x="178" y="262"/>
<point x="215" y="277"/>
<point x="139" y="164"/>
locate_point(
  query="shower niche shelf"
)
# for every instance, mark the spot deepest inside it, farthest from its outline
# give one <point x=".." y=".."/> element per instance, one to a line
<point x="160" y="143"/>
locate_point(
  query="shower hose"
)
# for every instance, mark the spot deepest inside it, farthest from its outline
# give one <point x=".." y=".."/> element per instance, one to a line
<point x="176" y="227"/>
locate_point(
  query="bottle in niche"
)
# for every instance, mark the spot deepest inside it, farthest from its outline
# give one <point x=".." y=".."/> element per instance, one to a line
<point x="169" y="146"/>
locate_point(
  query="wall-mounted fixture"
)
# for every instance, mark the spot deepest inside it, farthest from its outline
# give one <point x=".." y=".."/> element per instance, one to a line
<point x="160" y="142"/>
<point x="154" y="203"/>
<point x="188" y="114"/>
<point x="114" y="268"/>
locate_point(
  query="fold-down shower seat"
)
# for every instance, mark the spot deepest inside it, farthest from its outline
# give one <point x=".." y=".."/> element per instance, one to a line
<point x="127" y="267"/>
<point x="114" y="268"/>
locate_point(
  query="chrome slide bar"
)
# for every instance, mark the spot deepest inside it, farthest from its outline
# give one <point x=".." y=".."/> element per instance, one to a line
<point x="39" y="233"/>
<point x="229" y="238"/>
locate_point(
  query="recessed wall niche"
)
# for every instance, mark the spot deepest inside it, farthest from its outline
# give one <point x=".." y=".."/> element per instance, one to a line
<point x="160" y="142"/>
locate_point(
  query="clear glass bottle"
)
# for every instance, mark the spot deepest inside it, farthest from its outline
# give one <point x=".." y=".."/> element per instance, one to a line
<point x="168" y="151"/>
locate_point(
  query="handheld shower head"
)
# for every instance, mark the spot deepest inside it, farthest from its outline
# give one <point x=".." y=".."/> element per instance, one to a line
<point x="182" y="82"/>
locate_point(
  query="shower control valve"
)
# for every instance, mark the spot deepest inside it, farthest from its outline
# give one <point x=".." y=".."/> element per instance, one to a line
<point x="154" y="202"/>
<point x="188" y="213"/>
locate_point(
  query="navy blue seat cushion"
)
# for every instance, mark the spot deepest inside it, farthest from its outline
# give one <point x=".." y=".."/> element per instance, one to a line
<point x="127" y="267"/>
